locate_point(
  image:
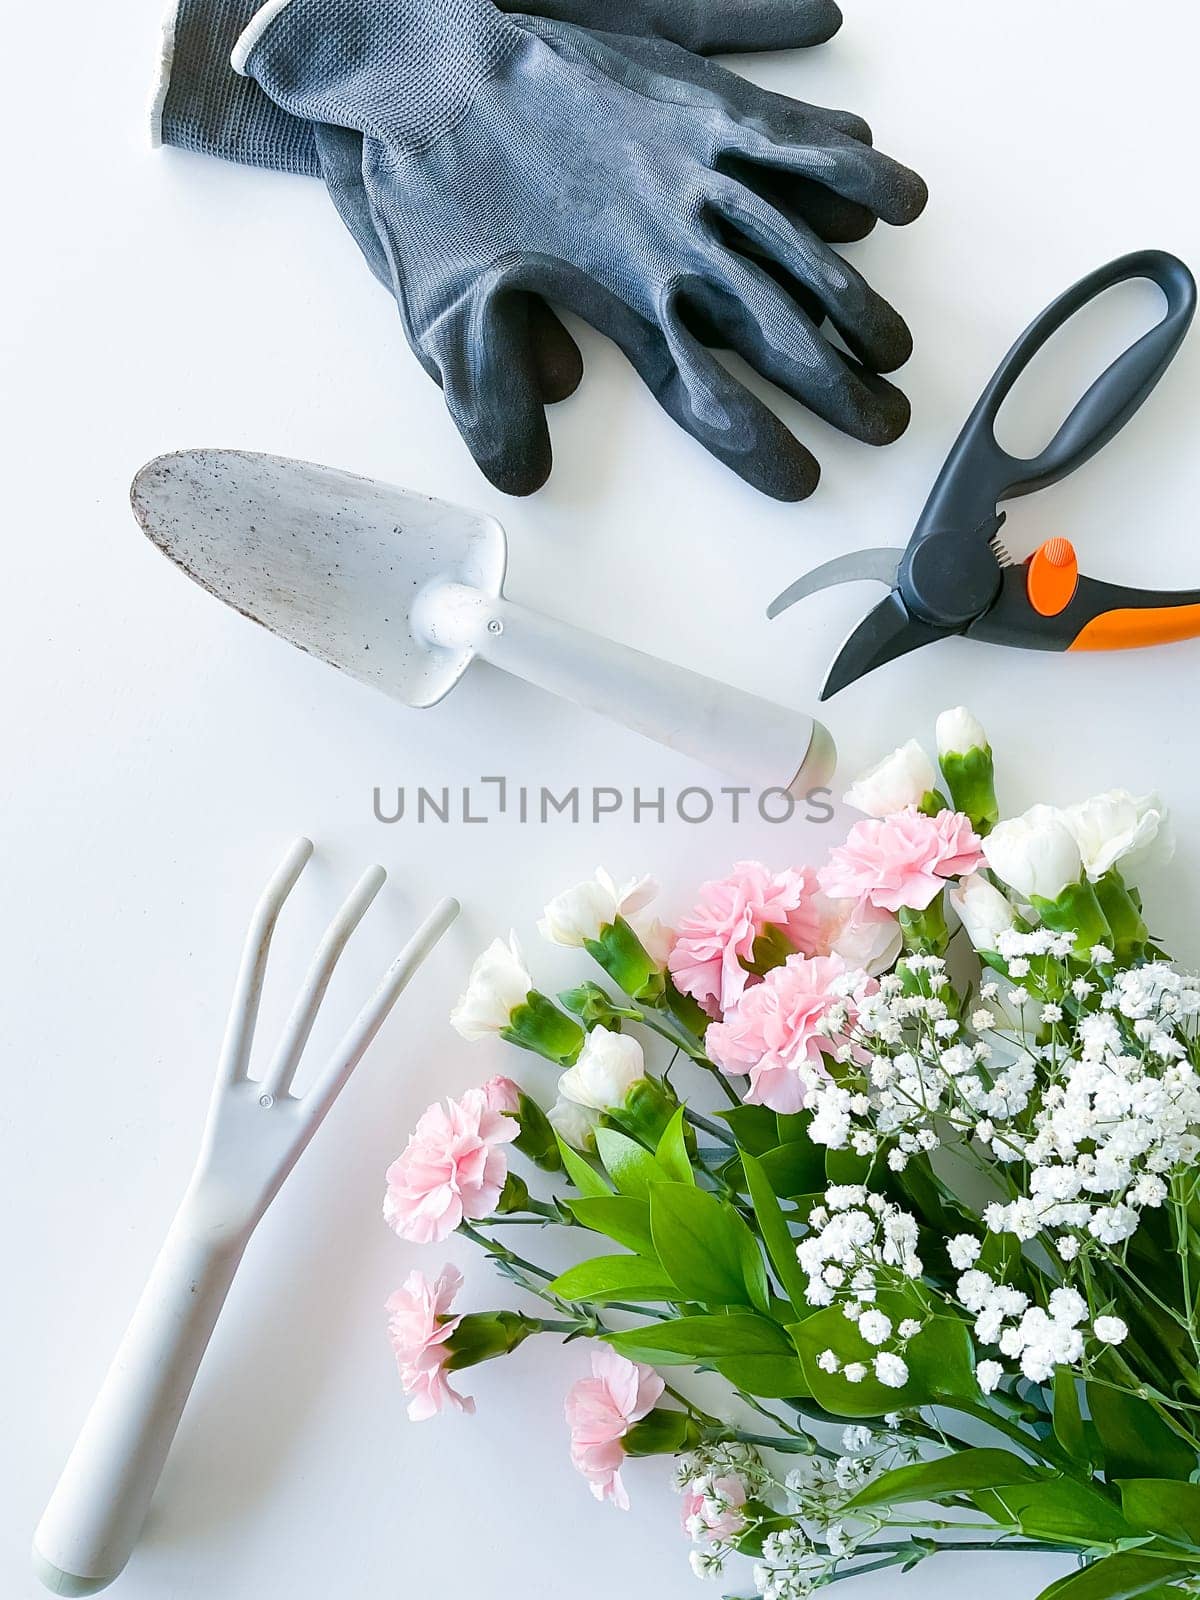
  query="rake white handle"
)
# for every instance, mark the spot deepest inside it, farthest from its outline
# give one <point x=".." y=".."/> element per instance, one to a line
<point x="254" y="1134"/>
<point x="728" y="729"/>
<point x="97" y="1510"/>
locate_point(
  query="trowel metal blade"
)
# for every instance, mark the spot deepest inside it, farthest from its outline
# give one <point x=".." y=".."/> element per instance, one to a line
<point x="327" y="560"/>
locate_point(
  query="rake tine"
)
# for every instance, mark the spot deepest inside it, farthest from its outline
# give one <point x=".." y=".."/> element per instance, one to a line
<point x="278" y="1077"/>
<point x="247" y="989"/>
<point x="373" y="1015"/>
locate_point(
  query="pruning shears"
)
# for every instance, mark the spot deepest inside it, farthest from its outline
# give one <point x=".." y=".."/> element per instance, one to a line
<point x="955" y="575"/>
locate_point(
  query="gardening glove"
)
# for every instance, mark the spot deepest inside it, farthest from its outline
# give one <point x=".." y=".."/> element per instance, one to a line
<point x="202" y="105"/>
<point x="504" y="157"/>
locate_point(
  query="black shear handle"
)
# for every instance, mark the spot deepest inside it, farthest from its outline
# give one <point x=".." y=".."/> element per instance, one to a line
<point x="979" y="473"/>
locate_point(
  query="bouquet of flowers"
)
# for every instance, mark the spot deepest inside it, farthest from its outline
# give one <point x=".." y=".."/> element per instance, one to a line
<point x="942" y="1240"/>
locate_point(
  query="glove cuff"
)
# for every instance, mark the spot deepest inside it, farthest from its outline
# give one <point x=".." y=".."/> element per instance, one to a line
<point x="402" y="72"/>
<point x="201" y="104"/>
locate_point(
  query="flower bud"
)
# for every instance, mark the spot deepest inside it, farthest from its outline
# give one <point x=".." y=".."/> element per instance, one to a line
<point x="574" y="1124"/>
<point x="607" y="1066"/>
<point x="579" y="915"/>
<point x="1035" y="854"/>
<point x="965" y="758"/>
<point x="661" y="1433"/>
<point x="1119" y="827"/>
<point x="483" y="1335"/>
<point x="498" y="984"/>
<point x="646" y="1110"/>
<point x="592" y="1005"/>
<point x="983" y="911"/>
<point x="905" y="778"/>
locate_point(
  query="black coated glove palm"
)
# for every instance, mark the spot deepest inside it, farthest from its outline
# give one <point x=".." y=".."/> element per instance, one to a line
<point x="628" y="182"/>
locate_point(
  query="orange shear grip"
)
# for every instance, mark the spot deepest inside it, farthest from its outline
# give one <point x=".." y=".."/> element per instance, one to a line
<point x="1131" y="629"/>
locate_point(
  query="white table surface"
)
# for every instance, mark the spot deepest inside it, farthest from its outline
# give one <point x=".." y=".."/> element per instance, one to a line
<point x="158" y="752"/>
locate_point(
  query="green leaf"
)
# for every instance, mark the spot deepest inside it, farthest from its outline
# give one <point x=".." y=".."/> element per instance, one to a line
<point x="684" y="1341"/>
<point x="948" y="1475"/>
<point x="672" y="1155"/>
<point x="754" y="1127"/>
<point x="777" y="1236"/>
<point x="630" y="1167"/>
<point x="792" y="1127"/>
<point x="1068" y="1419"/>
<point x="581" y="1173"/>
<point x="1060" y="1509"/>
<point x="706" y="1248"/>
<point x="619" y="1217"/>
<point x="606" y="1278"/>
<point x="939" y="1358"/>
<point x="1117" y="1577"/>
<point x="1136" y="1442"/>
<point x="766" y="1377"/>
<point x="1164" y="1506"/>
<point x="794" y="1169"/>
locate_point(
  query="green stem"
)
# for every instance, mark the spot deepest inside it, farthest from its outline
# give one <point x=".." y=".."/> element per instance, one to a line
<point x="798" y="1446"/>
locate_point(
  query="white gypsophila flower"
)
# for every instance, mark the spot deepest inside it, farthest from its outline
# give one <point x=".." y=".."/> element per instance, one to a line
<point x="575" y="1124"/>
<point x="902" y="779"/>
<point x="604" y="1071"/>
<point x="580" y="913"/>
<point x="854" y="1372"/>
<point x="958" y="731"/>
<point x="875" y="1327"/>
<point x="909" y="1328"/>
<point x="706" y="1564"/>
<point x="891" y="1369"/>
<point x="983" y="911"/>
<point x="963" y="1250"/>
<point x="497" y="985"/>
<point x="989" y="1374"/>
<point x="1110" y="1330"/>
<point x="1119" y="827"/>
<point x="856" y="1439"/>
<point x="1035" y="853"/>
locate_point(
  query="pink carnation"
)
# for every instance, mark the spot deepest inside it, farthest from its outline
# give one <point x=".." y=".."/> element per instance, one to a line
<point x="502" y="1095"/>
<point x="775" y="1034"/>
<point x="420" y="1327"/>
<point x="716" y="1515"/>
<point x="901" y="861"/>
<point x="715" y="943"/>
<point x="454" y="1166"/>
<point x="600" y="1410"/>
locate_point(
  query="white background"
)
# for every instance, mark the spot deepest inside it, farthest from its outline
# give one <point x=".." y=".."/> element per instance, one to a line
<point x="159" y="752"/>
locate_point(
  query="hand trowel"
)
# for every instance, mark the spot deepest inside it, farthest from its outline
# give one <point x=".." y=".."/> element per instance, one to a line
<point x="403" y="592"/>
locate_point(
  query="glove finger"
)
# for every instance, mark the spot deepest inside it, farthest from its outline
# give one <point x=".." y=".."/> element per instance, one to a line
<point x="769" y="331"/>
<point x="705" y="26"/>
<point x="493" y="387"/>
<point x="557" y="359"/>
<point x="693" y="388"/>
<point x="664" y="71"/>
<point x="873" y="330"/>
<point x="846" y="166"/>
<point x="830" y="217"/>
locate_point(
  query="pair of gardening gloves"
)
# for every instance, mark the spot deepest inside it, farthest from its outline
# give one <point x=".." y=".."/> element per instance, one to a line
<point x="492" y="165"/>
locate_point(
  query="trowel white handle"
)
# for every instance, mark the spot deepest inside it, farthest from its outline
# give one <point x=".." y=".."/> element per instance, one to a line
<point x="734" y="732"/>
<point x="95" y="1514"/>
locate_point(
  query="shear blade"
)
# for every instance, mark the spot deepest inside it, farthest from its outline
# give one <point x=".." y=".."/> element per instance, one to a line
<point x="887" y="631"/>
<point x="878" y="565"/>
